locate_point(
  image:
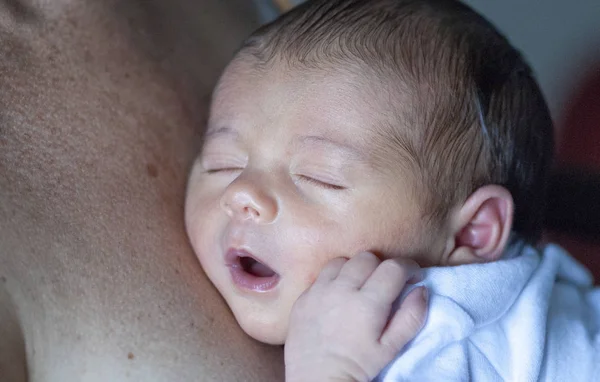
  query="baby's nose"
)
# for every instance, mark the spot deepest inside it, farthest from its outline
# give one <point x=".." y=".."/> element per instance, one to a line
<point x="244" y="200"/>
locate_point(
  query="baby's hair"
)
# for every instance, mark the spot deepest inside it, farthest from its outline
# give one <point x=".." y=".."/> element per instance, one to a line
<point x="472" y="113"/>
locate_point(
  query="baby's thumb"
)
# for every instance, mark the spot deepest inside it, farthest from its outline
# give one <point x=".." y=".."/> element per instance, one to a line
<point x="407" y="321"/>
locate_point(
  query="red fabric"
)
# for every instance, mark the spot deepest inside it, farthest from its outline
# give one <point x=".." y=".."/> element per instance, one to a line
<point x="579" y="145"/>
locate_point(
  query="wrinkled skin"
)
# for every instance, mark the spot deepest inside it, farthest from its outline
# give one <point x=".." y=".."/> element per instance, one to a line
<point x="101" y="109"/>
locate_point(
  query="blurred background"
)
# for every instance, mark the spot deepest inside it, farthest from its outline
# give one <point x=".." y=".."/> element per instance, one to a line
<point x="561" y="41"/>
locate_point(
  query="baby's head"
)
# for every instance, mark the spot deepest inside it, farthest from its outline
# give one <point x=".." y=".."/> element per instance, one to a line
<point x="402" y="127"/>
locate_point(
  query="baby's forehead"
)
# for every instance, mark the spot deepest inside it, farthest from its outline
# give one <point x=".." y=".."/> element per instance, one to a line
<point x="353" y="107"/>
<point x="349" y="90"/>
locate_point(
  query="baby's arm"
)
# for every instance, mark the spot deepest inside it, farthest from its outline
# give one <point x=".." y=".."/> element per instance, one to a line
<point x="341" y="329"/>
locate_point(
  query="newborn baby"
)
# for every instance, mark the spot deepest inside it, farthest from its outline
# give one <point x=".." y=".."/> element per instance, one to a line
<point x="408" y="129"/>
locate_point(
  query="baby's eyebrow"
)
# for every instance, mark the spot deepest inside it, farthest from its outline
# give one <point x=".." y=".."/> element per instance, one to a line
<point x="315" y="140"/>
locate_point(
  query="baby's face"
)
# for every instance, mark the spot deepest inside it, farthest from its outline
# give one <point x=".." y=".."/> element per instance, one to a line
<point x="290" y="177"/>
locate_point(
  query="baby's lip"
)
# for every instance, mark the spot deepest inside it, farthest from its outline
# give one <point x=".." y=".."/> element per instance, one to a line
<point x="233" y="255"/>
<point x="249" y="272"/>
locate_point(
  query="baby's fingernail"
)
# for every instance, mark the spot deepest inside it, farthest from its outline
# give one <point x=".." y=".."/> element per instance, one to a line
<point x="425" y="294"/>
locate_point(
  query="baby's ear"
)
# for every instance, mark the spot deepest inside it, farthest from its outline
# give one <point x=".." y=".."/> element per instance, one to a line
<point x="481" y="227"/>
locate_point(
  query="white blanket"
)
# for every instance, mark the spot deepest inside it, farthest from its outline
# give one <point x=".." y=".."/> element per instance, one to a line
<point x="532" y="316"/>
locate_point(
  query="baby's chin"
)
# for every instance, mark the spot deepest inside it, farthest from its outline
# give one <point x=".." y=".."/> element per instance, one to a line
<point x="268" y="333"/>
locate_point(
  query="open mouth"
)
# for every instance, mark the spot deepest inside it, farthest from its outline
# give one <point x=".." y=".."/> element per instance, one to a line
<point x="255" y="268"/>
<point x="250" y="273"/>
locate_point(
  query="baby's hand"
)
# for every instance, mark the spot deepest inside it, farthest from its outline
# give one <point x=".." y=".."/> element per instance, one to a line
<point x="341" y="329"/>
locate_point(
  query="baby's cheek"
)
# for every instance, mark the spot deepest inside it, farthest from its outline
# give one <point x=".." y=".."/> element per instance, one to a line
<point x="315" y="268"/>
<point x="311" y="276"/>
<point x="305" y="272"/>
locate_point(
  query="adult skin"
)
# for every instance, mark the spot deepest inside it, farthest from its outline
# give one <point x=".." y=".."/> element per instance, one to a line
<point x="101" y="108"/>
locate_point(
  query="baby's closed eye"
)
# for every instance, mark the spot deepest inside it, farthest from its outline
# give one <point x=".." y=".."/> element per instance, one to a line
<point x="221" y="162"/>
<point x="321" y="182"/>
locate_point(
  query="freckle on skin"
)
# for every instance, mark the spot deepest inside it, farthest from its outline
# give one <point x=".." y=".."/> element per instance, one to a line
<point x="152" y="170"/>
<point x="130" y="356"/>
<point x="3" y="279"/>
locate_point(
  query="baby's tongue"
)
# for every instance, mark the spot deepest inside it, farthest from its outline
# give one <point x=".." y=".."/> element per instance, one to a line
<point x="260" y="270"/>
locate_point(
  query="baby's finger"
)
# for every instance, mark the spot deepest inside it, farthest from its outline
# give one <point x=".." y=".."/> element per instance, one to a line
<point x="358" y="269"/>
<point x="390" y="277"/>
<point x="331" y="270"/>
<point x="407" y="321"/>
